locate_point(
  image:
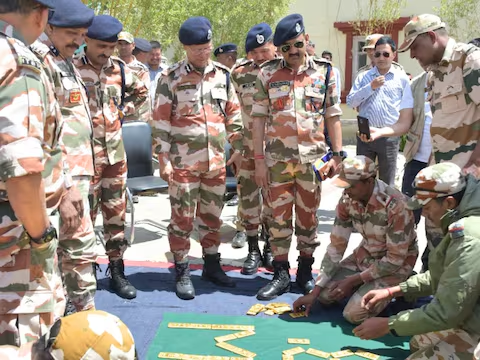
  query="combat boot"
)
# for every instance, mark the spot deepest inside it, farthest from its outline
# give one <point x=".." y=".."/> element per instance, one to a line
<point x="280" y="283"/>
<point x="304" y="274"/>
<point x="267" y="258"/>
<point x="183" y="284"/>
<point x="254" y="257"/>
<point x="212" y="271"/>
<point x="118" y="282"/>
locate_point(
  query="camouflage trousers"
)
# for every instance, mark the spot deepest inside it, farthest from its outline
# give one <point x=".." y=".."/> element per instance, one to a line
<point x="289" y="184"/>
<point x="31" y="296"/>
<point x="76" y="253"/>
<point x="353" y="311"/>
<point x="253" y="208"/>
<point x="201" y="194"/>
<point x="443" y="345"/>
<point x="108" y="190"/>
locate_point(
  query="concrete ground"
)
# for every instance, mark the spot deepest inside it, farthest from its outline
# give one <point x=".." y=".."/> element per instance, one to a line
<point x="152" y="216"/>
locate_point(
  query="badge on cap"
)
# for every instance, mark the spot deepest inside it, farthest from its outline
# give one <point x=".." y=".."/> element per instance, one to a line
<point x="209" y="34"/>
<point x="75" y="96"/>
<point x="298" y="28"/>
<point x="260" y="38"/>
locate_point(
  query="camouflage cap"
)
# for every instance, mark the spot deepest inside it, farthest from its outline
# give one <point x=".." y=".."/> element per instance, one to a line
<point x="93" y="334"/>
<point x="419" y="25"/>
<point x="371" y="40"/>
<point x="354" y="169"/>
<point x="436" y="181"/>
<point x="126" y="36"/>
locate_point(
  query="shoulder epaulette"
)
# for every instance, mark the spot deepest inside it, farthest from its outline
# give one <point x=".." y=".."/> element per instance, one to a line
<point x="173" y="67"/>
<point x="273" y="62"/>
<point x="221" y="66"/>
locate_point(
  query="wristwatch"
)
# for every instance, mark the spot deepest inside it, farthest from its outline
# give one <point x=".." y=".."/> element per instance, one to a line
<point x="341" y="153"/>
<point x="49" y="234"/>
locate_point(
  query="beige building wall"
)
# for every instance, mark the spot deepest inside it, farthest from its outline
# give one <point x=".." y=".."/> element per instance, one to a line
<point x="320" y="16"/>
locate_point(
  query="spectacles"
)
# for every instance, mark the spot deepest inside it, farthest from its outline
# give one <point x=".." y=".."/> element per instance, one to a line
<point x="298" y="45"/>
<point x="385" y="54"/>
<point x="201" y="51"/>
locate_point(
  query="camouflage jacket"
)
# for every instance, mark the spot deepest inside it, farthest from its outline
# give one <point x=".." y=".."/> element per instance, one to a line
<point x="144" y="112"/>
<point x="292" y="104"/>
<point x="244" y="76"/>
<point x="70" y="91"/>
<point x="453" y="277"/>
<point x="454" y="95"/>
<point x="193" y="114"/>
<point x="104" y="90"/>
<point x="389" y="244"/>
<point x="28" y="113"/>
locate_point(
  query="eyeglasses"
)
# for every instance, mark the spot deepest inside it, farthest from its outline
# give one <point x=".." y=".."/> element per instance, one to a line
<point x="385" y="54"/>
<point x="201" y="51"/>
<point x="298" y="45"/>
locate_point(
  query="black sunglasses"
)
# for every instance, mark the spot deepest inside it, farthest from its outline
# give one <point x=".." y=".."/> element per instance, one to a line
<point x="298" y="45"/>
<point x="385" y="54"/>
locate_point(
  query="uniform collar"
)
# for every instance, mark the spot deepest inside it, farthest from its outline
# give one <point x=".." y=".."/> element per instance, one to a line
<point x="209" y="68"/>
<point x="10" y="31"/>
<point x="448" y="53"/>
<point x="46" y="40"/>
<point x="309" y="64"/>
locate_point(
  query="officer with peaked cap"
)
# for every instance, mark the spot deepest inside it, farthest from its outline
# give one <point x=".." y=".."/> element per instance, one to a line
<point x="64" y="34"/>
<point x="110" y="83"/>
<point x="449" y="326"/>
<point x="251" y="212"/>
<point x="226" y="54"/>
<point x="196" y="109"/>
<point x="283" y="167"/>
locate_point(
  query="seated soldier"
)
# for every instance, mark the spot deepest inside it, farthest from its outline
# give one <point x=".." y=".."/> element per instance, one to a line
<point x="91" y="334"/>
<point x="388" y="250"/>
<point x="449" y="326"/>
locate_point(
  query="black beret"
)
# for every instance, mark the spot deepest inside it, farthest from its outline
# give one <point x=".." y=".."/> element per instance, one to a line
<point x="225" y="48"/>
<point x="257" y="36"/>
<point x="195" y="31"/>
<point x="71" y="14"/>
<point x="143" y="45"/>
<point x="105" y="28"/>
<point x="288" y="28"/>
<point x="48" y="3"/>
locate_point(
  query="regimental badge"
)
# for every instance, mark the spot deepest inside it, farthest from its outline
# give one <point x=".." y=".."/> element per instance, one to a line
<point x="298" y="28"/>
<point x="209" y="34"/>
<point x="75" y="96"/>
<point x="260" y="39"/>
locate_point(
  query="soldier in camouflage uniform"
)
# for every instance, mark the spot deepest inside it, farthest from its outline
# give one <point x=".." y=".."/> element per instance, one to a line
<point x="385" y="257"/>
<point x="196" y="111"/>
<point x="369" y="48"/>
<point x="293" y="102"/>
<point x="79" y="336"/>
<point x="259" y="48"/>
<point x="31" y="294"/>
<point x="102" y="76"/>
<point x="449" y="326"/>
<point x="126" y="45"/>
<point x="64" y="33"/>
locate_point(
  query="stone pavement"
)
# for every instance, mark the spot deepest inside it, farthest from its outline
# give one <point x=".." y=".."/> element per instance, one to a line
<point x="152" y="216"/>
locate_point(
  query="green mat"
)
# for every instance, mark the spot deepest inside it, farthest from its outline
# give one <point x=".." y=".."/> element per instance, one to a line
<point x="270" y="338"/>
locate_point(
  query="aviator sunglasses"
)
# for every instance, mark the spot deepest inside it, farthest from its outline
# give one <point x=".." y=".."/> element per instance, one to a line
<point x="385" y="54"/>
<point x="298" y="45"/>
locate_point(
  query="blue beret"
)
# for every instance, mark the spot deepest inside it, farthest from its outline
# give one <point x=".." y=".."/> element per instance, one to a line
<point x="195" y="31"/>
<point x="143" y="45"/>
<point x="105" y="28"/>
<point x="257" y="36"/>
<point x="71" y="14"/>
<point x="288" y="28"/>
<point x="48" y="3"/>
<point x="225" y="48"/>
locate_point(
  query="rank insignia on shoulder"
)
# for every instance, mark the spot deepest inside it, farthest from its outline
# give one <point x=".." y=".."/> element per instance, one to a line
<point x="456" y="230"/>
<point x="30" y="63"/>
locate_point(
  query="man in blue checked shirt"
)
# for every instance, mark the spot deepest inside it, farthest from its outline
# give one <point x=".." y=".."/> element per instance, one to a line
<point x="383" y="96"/>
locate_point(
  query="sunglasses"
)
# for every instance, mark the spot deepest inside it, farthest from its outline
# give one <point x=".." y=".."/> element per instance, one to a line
<point x="385" y="54"/>
<point x="298" y="45"/>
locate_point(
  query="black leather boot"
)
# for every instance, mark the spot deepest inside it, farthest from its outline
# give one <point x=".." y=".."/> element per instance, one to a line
<point x="304" y="274"/>
<point x="212" y="271"/>
<point x="183" y="284"/>
<point x="267" y="258"/>
<point x="280" y="283"/>
<point x="254" y="257"/>
<point x="118" y="282"/>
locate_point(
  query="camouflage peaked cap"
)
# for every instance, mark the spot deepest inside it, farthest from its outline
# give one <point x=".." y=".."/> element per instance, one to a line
<point x="371" y="40"/>
<point x="419" y="25"/>
<point x="354" y="169"/>
<point x="436" y="181"/>
<point x="93" y="334"/>
<point x="126" y="36"/>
